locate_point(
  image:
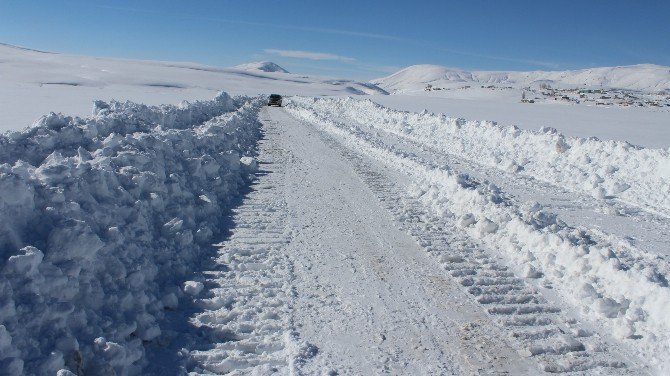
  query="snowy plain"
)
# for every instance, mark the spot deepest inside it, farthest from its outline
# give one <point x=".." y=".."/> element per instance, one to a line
<point x="35" y="83"/>
<point x="332" y="236"/>
<point x="639" y="126"/>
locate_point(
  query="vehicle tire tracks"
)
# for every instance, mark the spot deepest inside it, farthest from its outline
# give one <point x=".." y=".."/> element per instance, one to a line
<point x="537" y="328"/>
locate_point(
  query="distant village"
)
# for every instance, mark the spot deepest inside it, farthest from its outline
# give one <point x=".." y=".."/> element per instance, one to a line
<point x="596" y="97"/>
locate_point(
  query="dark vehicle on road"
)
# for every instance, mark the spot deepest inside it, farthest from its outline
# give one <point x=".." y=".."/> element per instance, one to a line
<point x="275" y="100"/>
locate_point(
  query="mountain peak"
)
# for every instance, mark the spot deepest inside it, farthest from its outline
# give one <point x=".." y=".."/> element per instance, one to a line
<point x="264" y="66"/>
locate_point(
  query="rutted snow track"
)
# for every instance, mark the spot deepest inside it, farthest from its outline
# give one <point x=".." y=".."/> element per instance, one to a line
<point x="557" y="340"/>
<point x="246" y="309"/>
<point x="334" y="266"/>
<point x="368" y="300"/>
<point x="605" y="286"/>
<point x="538" y="327"/>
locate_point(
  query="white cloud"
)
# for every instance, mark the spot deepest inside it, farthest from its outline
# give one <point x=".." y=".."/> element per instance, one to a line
<point x="308" y="55"/>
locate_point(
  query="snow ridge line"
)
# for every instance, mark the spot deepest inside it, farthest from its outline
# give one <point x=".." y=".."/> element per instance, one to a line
<point x="630" y="302"/>
<point x="602" y="169"/>
<point x="98" y="236"/>
<point x="58" y="133"/>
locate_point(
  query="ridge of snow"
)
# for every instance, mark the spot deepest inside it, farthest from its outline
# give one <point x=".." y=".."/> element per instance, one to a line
<point x="603" y="169"/>
<point x="643" y="77"/>
<point x="102" y="220"/>
<point x="264" y="66"/>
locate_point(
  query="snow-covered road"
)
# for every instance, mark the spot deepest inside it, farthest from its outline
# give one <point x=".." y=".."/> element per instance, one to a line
<point x="335" y="267"/>
<point x="350" y="239"/>
<point x="366" y="296"/>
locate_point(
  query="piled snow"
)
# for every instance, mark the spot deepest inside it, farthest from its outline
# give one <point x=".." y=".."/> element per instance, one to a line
<point x="613" y="284"/>
<point x="603" y="169"/>
<point x="263" y="66"/>
<point x="644" y="77"/>
<point x="101" y="221"/>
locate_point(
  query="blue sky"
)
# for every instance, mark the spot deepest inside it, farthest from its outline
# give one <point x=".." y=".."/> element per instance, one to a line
<point x="358" y="39"/>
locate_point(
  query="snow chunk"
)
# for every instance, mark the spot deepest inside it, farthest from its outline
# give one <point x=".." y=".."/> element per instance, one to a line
<point x="193" y="288"/>
<point x="607" y="307"/>
<point x="26" y="262"/>
<point x="249" y="163"/>
<point x="467" y="220"/>
<point x="487" y="226"/>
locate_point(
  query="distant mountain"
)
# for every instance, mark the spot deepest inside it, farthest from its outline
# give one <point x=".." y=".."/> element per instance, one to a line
<point x="6" y="45"/>
<point x="264" y="66"/>
<point x="643" y="77"/>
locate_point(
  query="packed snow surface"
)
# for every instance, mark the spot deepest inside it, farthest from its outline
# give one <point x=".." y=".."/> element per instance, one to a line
<point x="644" y="77"/>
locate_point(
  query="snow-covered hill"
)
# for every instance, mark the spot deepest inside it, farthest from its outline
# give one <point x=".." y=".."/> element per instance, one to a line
<point x="263" y="66"/>
<point x="34" y="83"/>
<point x="643" y="77"/>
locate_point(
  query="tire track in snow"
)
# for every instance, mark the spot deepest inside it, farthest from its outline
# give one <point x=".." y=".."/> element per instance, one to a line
<point x="540" y="329"/>
<point x="366" y="295"/>
<point x="247" y="311"/>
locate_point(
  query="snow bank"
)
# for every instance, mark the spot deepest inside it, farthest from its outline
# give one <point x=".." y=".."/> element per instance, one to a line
<point x="101" y="221"/>
<point x="612" y="283"/>
<point x="603" y="169"/>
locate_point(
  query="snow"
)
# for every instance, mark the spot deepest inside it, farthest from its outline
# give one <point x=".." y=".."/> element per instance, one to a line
<point x="101" y="219"/>
<point x="263" y="66"/>
<point x="628" y="295"/>
<point x="331" y="236"/>
<point x="193" y="287"/>
<point x="644" y="77"/>
<point x="603" y="169"/>
<point x="35" y="83"/>
<point x="496" y="96"/>
<point x="639" y="126"/>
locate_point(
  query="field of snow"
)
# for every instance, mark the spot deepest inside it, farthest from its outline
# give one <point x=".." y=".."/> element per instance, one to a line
<point x="336" y="235"/>
<point x="35" y="83"/>
<point x="604" y="169"/>
<point x="639" y="126"/>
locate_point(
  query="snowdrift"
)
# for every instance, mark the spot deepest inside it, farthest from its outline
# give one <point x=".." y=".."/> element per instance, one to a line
<point x="101" y="221"/>
<point x="603" y="169"/>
